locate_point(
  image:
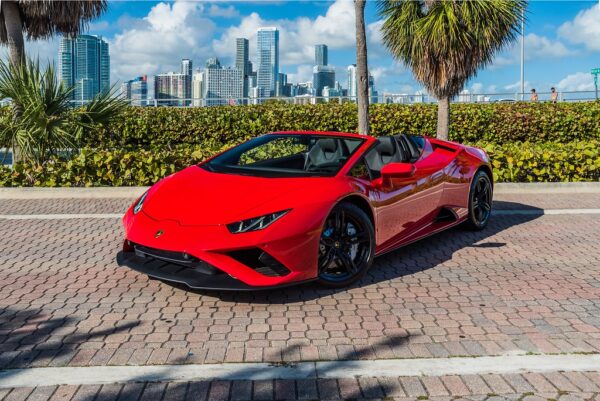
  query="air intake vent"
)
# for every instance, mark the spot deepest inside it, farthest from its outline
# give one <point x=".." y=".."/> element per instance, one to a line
<point x="261" y="262"/>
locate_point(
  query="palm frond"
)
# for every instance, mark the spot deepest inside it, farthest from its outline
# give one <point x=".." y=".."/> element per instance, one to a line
<point x="45" y="18"/>
<point x="445" y="42"/>
<point x="47" y="122"/>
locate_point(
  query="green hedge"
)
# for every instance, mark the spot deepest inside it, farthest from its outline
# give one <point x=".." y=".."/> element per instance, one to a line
<point x="516" y="162"/>
<point x="213" y="126"/>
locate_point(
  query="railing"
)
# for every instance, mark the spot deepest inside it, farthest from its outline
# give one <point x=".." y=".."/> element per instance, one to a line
<point x="507" y="97"/>
<point x="563" y="96"/>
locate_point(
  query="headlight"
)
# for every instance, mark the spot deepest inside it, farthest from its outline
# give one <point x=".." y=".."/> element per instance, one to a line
<point x="140" y="203"/>
<point x="255" y="223"/>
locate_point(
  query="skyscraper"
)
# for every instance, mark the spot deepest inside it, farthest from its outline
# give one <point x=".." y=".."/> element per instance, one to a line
<point x="84" y="61"/>
<point x="222" y="86"/>
<point x="352" y="81"/>
<point x="198" y="88"/>
<point x="268" y="61"/>
<point x="170" y="89"/>
<point x="320" y="54"/>
<point x="352" y="88"/>
<point x="136" y="91"/>
<point x="186" y="66"/>
<point x="323" y="75"/>
<point x="242" y="62"/>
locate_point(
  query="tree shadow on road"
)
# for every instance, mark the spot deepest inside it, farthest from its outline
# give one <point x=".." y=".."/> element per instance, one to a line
<point x="267" y="381"/>
<point x="31" y="337"/>
<point x="417" y="257"/>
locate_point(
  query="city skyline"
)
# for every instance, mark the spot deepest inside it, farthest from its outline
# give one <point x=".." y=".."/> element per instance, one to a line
<point x="217" y="84"/>
<point x="561" y="33"/>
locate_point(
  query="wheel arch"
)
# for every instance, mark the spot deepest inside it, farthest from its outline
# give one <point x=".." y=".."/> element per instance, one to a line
<point x="362" y="204"/>
<point x="486" y="169"/>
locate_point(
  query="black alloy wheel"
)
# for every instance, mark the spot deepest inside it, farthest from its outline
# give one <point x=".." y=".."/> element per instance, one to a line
<point x="480" y="201"/>
<point x="347" y="246"/>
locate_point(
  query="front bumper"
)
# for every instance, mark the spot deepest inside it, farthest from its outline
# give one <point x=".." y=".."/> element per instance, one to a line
<point x="197" y="277"/>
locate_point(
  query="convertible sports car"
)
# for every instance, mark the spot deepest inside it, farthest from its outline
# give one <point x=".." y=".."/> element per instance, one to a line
<point x="291" y="207"/>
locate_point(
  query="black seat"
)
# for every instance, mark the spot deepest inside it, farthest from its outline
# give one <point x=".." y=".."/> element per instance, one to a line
<point x="409" y="148"/>
<point x="325" y="152"/>
<point x="385" y="151"/>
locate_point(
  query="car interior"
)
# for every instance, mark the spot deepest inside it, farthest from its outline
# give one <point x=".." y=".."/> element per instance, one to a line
<point x="391" y="149"/>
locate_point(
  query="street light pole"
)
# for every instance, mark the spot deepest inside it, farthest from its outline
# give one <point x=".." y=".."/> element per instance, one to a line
<point x="522" y="54"/>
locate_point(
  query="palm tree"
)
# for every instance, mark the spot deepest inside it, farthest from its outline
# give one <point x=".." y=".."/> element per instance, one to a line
<point x="445" y="42"/>
<point x="41" y="19"/>
<point x="48" y="124"/>
<point x="362" y="79"/>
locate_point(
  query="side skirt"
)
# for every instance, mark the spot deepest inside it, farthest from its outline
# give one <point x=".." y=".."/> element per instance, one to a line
<point x="420" y="237"/>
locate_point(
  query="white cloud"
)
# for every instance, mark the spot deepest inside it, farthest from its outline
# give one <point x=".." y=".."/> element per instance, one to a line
<point x="304" y="73"/>
<point x="580" y="81"/>
<point x="477" y="87"/>
<point x="584" y="29"/>
<point x="223" y="12"/>
<point x="155" y="44"/>
<point x="517" y="86"/>
<point x="297" y="36"/>
<point x="536" y="47"/>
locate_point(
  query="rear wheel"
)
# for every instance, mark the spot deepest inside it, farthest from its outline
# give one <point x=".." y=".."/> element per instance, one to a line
<point x="480" y="202"/>
<point x="347" y="246"/>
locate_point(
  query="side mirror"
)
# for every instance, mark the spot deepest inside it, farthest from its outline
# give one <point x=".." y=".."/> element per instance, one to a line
<point x="398" y="170"/>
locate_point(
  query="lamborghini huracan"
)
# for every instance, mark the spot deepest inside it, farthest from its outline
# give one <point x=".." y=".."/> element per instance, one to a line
<point x="291" y="207"/>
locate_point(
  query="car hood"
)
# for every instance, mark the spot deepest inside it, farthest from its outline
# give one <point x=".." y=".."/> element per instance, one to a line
<point x="197" y="197"/>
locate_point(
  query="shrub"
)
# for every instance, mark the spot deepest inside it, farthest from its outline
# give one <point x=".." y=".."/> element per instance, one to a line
<point x="213" y="126"/>
<point x="518" y="162"/>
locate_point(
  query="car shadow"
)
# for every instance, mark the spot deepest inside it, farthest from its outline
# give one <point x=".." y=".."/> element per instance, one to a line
<point x="410" y="259"/>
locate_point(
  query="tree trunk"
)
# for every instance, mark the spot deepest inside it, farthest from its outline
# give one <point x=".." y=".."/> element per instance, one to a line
<point x="362" y="72"/>
<point x="16" y="48"/>
<point x="14" y="31"/>
<point x="443" y="121"/>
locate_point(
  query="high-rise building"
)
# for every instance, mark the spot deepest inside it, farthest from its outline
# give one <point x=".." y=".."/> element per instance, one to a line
<point x="323" y="75"/>
<point x="268" y="60"/>
<point x="186" y="70"/>
<point x="352" y="85"/>
<point x="320" y="54"/>
<point x="242" y="62"/>
<point x="352" y="89"/>
<point x="213" y="62"/>
<point x="198" y="88"/>
<point x="186" y="66"/>
<point x="84" y="62"/>
<point x="242" y="51"/>
<point x="222" y="86"/>
<point x="136" y="91"/>
<point x="280" y="86"/>
<point x="171" y="89"/>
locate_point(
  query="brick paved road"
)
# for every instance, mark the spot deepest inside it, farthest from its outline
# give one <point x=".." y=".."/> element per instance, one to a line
<point x="526" y="284"/>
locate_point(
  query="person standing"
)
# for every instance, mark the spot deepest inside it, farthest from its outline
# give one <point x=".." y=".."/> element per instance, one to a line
<point x="553" y="95"/>
<point x="534" y="96"/>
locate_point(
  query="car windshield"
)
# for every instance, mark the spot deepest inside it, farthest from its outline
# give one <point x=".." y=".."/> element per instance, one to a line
<point x="286" y="155"/>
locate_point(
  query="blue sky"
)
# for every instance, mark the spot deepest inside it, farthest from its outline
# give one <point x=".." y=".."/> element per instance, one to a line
<point x="562" y="42"/>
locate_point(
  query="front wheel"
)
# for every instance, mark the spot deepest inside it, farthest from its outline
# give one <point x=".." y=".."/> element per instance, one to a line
<point x="347" y="246"/>
<point x="480" y="202"/>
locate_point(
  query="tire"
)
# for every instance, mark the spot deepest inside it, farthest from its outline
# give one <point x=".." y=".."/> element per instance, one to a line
<point x="480" y="202"/>
<point x="347" y="246"/>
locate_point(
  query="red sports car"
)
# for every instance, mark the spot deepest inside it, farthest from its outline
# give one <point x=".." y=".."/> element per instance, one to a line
<point x="291" y="207"/>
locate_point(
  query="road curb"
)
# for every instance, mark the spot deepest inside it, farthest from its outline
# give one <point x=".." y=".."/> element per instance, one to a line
<point x="96" y="375"/>
<point x="134" y="192"/>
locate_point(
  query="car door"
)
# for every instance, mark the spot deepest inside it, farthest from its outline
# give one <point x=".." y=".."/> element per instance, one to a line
<point x="406" y="205"/>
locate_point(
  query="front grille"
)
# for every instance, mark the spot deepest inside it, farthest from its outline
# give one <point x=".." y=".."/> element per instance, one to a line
<point x="177" y="258"/>
<point x="260" y="261"/>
